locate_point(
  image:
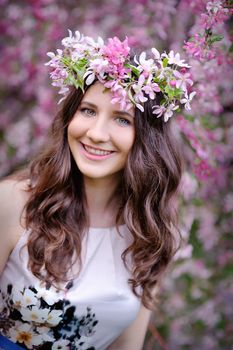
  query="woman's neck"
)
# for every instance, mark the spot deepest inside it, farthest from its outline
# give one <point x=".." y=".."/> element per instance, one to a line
<point x="102" y="201"/>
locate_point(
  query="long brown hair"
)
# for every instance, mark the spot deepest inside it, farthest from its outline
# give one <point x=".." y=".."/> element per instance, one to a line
<point x="56" y="211"/>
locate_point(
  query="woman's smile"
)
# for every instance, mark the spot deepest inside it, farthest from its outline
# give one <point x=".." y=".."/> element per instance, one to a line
<point x="95" y="153"/>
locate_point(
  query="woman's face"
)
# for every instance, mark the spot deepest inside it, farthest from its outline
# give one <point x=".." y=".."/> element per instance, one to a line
<point x="100" y="136"/>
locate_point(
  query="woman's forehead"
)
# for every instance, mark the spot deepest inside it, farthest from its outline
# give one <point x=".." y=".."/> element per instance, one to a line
<point x="98" y="96"/>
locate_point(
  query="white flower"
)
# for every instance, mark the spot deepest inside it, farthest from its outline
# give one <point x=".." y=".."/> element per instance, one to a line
<point x="169" y="111"/>
<point x="95" y="44"/>
<point x="183" y="80"/>
<point x="71" y="40"/>
<point x="139" y="96"/>
<point x="144" y="64"/>
<point x="23" y="333"/>
<point x="156" y="53"/>
<point x="187" y="99"/>
<point x="62" y="344"/>
<point x="50" y="296"/>
<point x="54" y="317"/>
<point x="35" y="314"/>
<point x="175" y="59"/>
<point x="45" y="333"/>
<point x="159" y="110"/>
<point x="24" y="299"/>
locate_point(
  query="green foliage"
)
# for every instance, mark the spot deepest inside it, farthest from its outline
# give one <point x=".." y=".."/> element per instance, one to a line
<point x="194" y="240"/>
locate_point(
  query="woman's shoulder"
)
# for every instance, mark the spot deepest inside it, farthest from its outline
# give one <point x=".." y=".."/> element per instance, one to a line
<point x="13" y="197"/>
<point x="13" y="193"/>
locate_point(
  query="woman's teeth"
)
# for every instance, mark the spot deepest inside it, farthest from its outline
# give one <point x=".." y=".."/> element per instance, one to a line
<point x="96" y="151"/>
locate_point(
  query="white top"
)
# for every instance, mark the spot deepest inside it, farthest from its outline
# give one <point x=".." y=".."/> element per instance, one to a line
<point x="90" y="314"/>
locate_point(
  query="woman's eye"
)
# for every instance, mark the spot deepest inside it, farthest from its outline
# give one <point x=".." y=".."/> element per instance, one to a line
<point x="88" y="111"/>
<point x="123" y="121"/>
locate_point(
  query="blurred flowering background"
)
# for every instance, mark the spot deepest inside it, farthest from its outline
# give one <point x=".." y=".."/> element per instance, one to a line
<point x="195" y="309"/>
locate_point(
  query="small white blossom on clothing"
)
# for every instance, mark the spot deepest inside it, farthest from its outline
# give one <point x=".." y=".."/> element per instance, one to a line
<point x="23" y="333"/>
<point x="62" y="344"/>
<point x="54" y="317"/>
<point x="50" y="296"/>
<point x="24" y="299"/>
<point x="35" y="314"/>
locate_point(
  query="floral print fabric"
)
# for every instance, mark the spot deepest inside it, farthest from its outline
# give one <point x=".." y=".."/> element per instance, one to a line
<point x="42" y="319"/>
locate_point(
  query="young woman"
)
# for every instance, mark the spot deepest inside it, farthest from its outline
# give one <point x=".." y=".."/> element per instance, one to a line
<point x="89" y="227"/>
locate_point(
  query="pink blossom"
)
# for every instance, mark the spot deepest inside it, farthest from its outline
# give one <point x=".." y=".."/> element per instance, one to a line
<point x="159" y="110"/>
<point x="182" y="80"/>
<point x="139" y="96"/>
<point x="150" y="88"/>
<point x="116" y="52"/>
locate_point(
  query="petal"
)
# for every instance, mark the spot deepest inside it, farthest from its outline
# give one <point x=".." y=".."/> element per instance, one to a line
<point x="155" y="53"/>
<point x="90" y="79"/>
<point x="140" y="107"/>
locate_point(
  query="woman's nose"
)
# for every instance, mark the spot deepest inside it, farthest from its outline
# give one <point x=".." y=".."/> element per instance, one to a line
<point x="98" y="131"/>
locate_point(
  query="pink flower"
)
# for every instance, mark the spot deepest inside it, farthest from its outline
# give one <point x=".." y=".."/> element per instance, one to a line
<point x="120" y="95"/>
<point x="150" y="88"/>
<point x="138" y="89"/>
<point x="116" y="53"/>
<point x="182" y="80"/>
<point x="159" y="110"/>
<point x="195" y="47"/>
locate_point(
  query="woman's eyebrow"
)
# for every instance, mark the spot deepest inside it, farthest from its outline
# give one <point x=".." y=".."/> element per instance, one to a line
<point x="89" y="104"/>
<point x="123" y="112"/>
<point x="92" y="105"/>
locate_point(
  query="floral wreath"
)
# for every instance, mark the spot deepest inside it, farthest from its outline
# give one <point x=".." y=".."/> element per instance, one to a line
<point x="83" y="60"/>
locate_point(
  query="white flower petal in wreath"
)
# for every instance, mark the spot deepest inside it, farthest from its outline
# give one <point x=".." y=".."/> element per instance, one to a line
<point x="145" y="65"/>
<point x="169" y="111"/>
<point x="140" y="107"/>
<point x="71" y="40"/>
<point x="175" y="59"/>
<point x="187" y="99"/>
<point x="90" y="77"/>
<point x="156" y="53"/>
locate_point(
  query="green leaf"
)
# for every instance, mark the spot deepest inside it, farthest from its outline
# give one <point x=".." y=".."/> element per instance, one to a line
<point x="133" y="69"/>
<point x="165" y="62"/>
<point x="215" y="38"/>
<point x="170" y="92"/>
<point x="194" y="240"/>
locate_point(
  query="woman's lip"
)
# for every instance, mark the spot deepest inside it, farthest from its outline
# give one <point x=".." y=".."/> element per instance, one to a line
<point x="93" y="156"/>
<point x="98" y="149"/>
